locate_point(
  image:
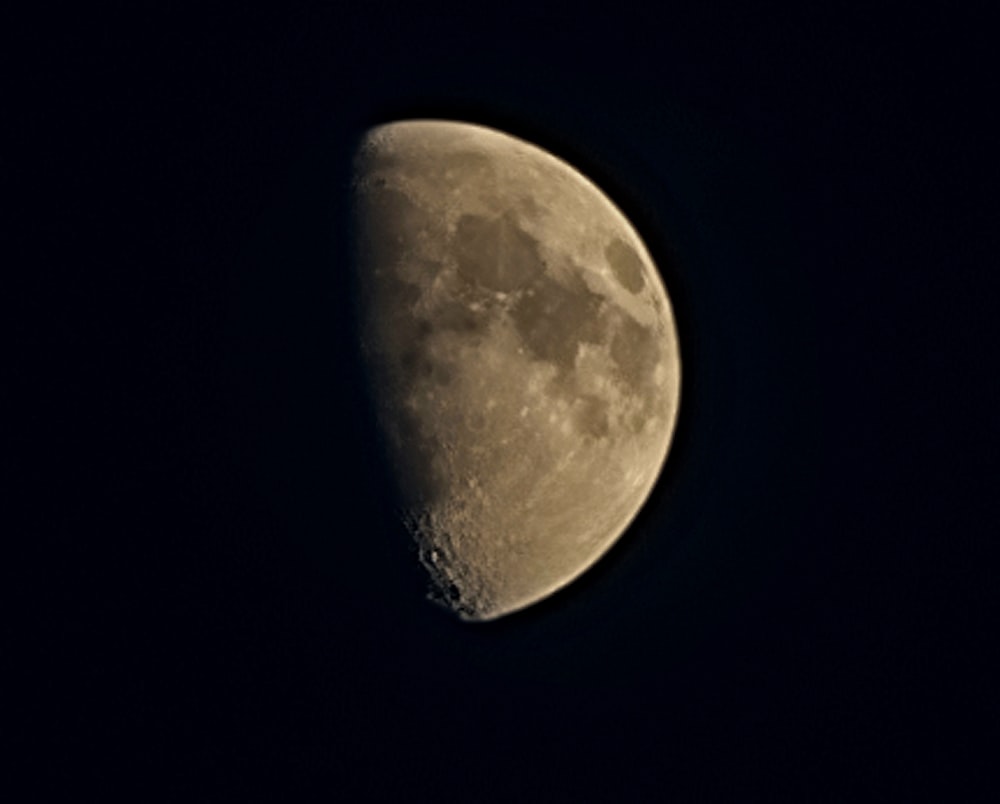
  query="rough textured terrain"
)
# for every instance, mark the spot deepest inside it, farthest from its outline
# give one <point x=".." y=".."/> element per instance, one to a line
<point x="524" y="357"/>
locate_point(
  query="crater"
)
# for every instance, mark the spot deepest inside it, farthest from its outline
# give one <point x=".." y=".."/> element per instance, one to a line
<point x="625" y="265"/>
<point x="496" y="253"/>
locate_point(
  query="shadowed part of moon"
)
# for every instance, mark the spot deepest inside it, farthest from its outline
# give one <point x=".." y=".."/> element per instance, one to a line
<point x="522" y="354"/>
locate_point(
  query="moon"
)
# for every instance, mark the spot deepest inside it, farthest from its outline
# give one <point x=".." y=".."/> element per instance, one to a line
<point x="522" y="355"/>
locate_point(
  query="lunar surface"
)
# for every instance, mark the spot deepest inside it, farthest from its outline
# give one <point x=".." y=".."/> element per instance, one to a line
<point x="522" y="353"/>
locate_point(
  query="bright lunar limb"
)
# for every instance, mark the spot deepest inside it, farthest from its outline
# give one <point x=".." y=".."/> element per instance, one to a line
<point x="522" y="353"/>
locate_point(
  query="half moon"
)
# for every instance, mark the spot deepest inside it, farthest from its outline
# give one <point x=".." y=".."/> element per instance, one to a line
<point x="522" y="354"/>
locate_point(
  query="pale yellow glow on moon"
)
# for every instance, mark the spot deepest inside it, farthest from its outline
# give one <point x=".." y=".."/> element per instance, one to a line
<point x="523" y="354"/>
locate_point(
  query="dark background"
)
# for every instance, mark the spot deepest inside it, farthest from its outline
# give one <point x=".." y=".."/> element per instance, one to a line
<point x="219" y="598"/>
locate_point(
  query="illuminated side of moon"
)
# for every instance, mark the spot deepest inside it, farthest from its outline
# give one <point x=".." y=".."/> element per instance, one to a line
<point x="523" y="356"/>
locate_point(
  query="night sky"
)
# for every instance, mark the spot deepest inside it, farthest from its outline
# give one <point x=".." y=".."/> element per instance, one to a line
<point x="219" y="596"/>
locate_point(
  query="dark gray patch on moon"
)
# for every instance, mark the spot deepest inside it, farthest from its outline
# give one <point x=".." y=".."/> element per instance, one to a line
<point x="636" y="353"/>
<point x="635" y="350"/>
<point x="553" y="319"/>
<point x="591" y="416"/>
<point x="415" y="365"/>
<point x="625" y="265"/>
<point x="496" y="253"/>
<point x="458" y="317"/>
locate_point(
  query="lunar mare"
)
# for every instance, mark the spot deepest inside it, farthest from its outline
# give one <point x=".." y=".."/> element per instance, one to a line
<point x="522" y="353"/>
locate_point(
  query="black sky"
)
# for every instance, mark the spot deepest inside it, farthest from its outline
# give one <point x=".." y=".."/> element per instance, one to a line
<point x="220" y="597"/>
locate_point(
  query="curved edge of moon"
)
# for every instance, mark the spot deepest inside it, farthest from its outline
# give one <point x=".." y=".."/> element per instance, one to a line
<point x="525" y="358"/>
